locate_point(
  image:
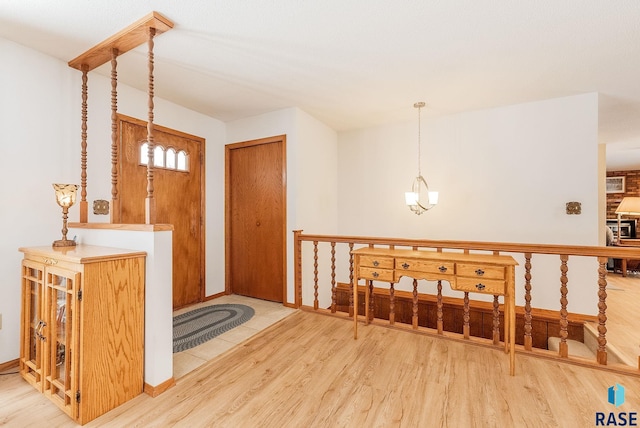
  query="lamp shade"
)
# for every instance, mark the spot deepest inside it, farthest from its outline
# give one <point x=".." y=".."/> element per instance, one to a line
<point x="629" y="206"/>
<point x="65" y="194"/>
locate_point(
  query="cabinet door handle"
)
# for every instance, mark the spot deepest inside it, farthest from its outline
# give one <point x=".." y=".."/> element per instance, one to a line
<point x="480" y="286"/>
<point x="375" y="274"/>
<point x="405" y="265"/>
<point x="442" y="268"/>
<point x="479" y="272"/>
<point x="376" y="263"/>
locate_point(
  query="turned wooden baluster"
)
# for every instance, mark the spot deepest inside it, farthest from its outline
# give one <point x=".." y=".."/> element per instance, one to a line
<point x="392" y="304"/>
<point x="528" y="341"/>
<point x="564" y="347"/>
<point x="414" y="318"/>
<point x="371" y="300"/>
<point x="333" y="277"/>
<point x="465" y="315"/>
<point x="297" y="260"/>
<point x="150" y="201"/>
<point x="115" y="202"/>
<point x="601" y="355"/>
<point x="350" y="279"/>
<point x="439" y="308"/>
<point x="496" y="321"/>
<point x="84" y="207"/>
<point x="315" y="275"/>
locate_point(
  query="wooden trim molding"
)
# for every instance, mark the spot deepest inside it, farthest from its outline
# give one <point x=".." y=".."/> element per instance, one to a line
<point x="134" y="227"/>
<point x="9" y="365"/>
<point x="125" y="40"/>
<point x="154" y="391"/>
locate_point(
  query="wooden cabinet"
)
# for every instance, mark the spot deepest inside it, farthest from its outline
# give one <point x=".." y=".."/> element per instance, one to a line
<point x="82" y="326"/>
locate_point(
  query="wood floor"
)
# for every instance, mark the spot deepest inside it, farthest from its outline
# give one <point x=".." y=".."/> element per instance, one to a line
<point x="308" y="371"/>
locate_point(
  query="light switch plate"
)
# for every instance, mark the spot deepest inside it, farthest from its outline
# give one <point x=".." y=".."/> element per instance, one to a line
<point x="100" y="207"/>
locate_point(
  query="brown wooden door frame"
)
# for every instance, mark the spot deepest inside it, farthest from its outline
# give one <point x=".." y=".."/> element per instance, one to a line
<point x="244" y="144"/>
<point x="201" y="142"/>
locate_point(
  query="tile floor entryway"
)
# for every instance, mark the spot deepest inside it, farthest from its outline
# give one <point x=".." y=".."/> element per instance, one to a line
<point x="266" y="314"/>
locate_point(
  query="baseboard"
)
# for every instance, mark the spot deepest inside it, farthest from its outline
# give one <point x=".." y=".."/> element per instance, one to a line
<point x="9" y="365"/>
<point x="154" y="391"/>
<point x="214" y="296"/>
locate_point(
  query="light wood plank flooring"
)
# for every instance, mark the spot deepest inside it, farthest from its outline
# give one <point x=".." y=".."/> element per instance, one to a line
<point x="308" y="371"/>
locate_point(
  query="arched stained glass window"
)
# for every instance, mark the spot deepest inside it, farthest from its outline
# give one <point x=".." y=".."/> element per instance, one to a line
<point x="144" y="154"/>
<point x="165" y="159"/>
<point x="171" y="158"/>
<point x="158" y="156"/>
<point x="183" y="161"/>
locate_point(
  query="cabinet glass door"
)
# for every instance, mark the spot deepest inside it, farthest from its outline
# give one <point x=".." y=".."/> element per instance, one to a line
<point x="61" y="301"/>
<point x="32" y="342"/>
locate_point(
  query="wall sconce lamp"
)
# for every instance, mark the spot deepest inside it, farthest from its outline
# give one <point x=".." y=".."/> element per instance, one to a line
<point x="629" y="206"/>
<point x="413" y="199"/>
<point x="66" y="197"/>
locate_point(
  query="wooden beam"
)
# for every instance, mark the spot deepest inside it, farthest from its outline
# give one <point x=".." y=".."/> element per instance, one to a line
<point x="127" y="39"/>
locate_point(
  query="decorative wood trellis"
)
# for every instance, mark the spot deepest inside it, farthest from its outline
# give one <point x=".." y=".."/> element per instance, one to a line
<point x="143" y="30"/>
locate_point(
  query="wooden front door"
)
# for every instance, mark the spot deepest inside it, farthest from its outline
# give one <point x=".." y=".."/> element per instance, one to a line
<point x="256" y="218"/>
<point x="178" y="190"/>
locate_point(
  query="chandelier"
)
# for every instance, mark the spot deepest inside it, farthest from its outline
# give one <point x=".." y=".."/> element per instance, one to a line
<point x="420" y="199"/>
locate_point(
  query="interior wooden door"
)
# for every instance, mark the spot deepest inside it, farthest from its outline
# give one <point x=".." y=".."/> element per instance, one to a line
<point x="256" y="218"/>
<point x="178" y="189"/>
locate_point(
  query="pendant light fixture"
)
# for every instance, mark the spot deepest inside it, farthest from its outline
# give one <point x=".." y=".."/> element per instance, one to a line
<point x="420" y="199"/>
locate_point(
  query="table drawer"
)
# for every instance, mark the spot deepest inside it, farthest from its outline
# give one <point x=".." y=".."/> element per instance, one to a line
<point x="427" y="266"/>
<point x="480" y="285"/>
<point x="377" y="262"/>
<point x="376" y="274"/>
<point x="480" y="271"/>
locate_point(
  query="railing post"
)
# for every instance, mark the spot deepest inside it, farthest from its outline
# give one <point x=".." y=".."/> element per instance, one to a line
<point x="496" y="321"/>
<point x="528" y="342"/>
<point x="414" y="318"/>
<point x="564" y="323"/>
<point x="350" y="279"/>
<point x="439" y="309"/>
<point x="465" y="315"/>
<point x="602" y="311"/>
<point x="333" y="277"/>
<point x="315" y="275"/>
<point x="297" y="263"/>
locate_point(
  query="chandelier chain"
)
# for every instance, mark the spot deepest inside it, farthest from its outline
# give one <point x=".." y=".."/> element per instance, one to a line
<point x="419" y="138"/>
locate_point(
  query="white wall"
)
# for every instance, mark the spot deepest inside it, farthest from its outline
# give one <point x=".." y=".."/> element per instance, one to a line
<point x="311" y="171"/>
<point x="36" y="130"/>
<point x="40" y="118"/>
<point x="503" y="174"/>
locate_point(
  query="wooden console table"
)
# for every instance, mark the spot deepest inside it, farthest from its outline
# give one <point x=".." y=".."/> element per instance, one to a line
<point x="477" y="273"/>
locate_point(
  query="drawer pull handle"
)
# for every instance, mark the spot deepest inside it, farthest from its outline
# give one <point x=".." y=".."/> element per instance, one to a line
<point x="375" y="274"/>
<point x="376" y="263"/>
<point x="480" y="286"/>
<point x="405" y="265"/>
<point x="442" y="268"/>
<point x="479" y="272"/>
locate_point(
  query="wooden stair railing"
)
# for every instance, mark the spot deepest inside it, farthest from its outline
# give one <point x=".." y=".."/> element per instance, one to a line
<point x="326" y="290"/>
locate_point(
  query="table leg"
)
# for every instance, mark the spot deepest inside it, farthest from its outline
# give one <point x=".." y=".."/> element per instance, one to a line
<point x="355" y="308"/>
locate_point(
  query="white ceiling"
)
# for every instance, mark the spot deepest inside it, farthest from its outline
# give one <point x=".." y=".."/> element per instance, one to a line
<point x="359" y="63"/>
